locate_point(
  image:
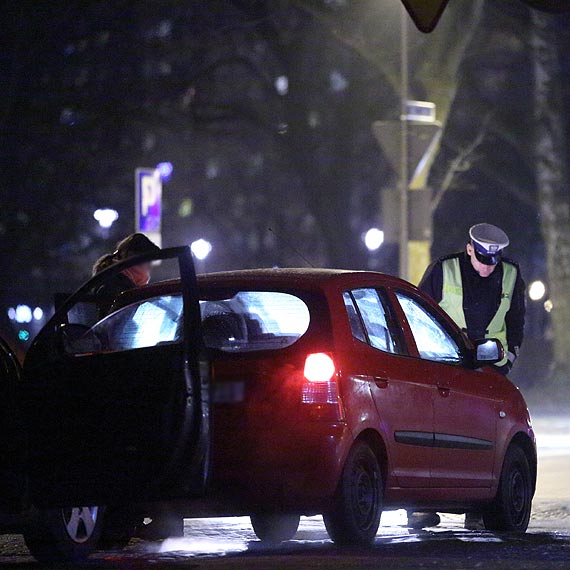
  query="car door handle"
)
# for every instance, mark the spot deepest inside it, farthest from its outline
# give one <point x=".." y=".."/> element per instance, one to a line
<point x="444" y="391"/>
<point x="381" y="382"/>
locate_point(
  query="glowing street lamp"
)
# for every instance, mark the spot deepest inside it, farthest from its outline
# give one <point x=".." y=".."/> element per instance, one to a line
<point x="537" y="290"/>
<point x="23" y="314"/>
<point x="201" y="248"/>
<point x="106" y="217"/>
<point x="165" y="170"/>
<point x="373" y="239"/>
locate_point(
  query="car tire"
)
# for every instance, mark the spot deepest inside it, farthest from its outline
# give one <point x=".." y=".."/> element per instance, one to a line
<point x="511" y="509"/>
<point x="64" y="535"/>
<point x="357" y="505"/>
<point x="275" y="528"/>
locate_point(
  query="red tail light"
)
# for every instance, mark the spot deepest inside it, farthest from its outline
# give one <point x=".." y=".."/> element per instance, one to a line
<point x="319" y="367"/>
<point x="320" y="387"/>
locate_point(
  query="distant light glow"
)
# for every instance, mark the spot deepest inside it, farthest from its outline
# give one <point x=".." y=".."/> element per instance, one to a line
<point x="23" y="314"/>
<point x="12" y="314"/>
<point x="373" y="239"/>
<point x="338" y="81"/>
<point x="165" y="170"/>
<point x="537" y="291"/>
<point x="548" y="306"/>
<point x="282" y="85"/>
<point x="67" y="116"/>
<point x="185" y="208"/>
<point x="38" y="313"/>
<point x="106" y="217"/>
<point x="201" y="248"/>
<point x="212" y="169"/>
<point x="313" y="119"/>
<point x="23" y="335"/>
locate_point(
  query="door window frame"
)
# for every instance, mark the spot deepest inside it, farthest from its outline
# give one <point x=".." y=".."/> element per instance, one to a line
<point x="192" y="337"/>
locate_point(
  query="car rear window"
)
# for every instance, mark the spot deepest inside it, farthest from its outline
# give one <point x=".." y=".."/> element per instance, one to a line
<point x="245" y="321"/>
<point x="254" y="320"/>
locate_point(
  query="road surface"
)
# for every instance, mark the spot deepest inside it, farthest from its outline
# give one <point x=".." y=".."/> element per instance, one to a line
<point x="230" y="543"/>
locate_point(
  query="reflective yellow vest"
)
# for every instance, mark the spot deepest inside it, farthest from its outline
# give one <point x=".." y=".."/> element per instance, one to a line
<point x="452" y="300"/>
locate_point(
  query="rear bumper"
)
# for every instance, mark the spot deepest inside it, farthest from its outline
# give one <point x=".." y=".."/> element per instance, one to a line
<point x="287" y="470"/>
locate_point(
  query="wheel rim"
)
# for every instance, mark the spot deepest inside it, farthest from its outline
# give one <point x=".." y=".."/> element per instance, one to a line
<point x="80" y="522"/>
<point x="365" y="494"/>
<point x="518" y="493"/>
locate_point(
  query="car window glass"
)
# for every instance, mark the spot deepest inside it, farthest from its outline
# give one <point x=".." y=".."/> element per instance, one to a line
<point x="147" y="323"/>
<point x="247" y="321"/>
<point x="432" y="340"/>
<point x="374" y="316"/>
<point x="353" y="318"/>
<point x="254" y="320"/>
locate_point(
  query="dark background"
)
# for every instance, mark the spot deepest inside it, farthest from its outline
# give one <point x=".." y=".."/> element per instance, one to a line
<point x="91" y="90"/>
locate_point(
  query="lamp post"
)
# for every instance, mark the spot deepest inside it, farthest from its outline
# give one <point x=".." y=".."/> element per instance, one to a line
<point x="404" y="80"/>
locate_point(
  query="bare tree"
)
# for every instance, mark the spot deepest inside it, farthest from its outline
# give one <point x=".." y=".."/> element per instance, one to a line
<point x="553" y="183"/>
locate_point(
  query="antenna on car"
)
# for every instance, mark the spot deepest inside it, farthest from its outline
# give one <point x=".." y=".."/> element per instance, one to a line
<point x="291" y="247"/>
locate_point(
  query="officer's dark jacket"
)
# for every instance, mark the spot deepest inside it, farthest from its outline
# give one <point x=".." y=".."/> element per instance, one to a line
<point x="481" y="297"/>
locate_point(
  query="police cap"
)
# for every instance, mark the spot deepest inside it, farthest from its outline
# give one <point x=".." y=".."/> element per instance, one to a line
<point x="488" y="242"/>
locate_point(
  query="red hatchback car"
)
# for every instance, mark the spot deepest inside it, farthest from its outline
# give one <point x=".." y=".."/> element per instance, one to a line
<point x="317" y="391"/>
<point x="342" y="392"/>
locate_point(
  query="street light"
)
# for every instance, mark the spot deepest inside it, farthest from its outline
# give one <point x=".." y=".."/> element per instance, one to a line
<point x="106" y="217"/>
<point x="537" y="290"/>
<point x="23" y="314"/>
<point x="373" y="239"/>
<point x="165" y="170"/>
<point x="201" y="248"/>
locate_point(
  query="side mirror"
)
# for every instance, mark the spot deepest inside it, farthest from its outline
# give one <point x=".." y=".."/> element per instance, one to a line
<point x="488" y="351"/>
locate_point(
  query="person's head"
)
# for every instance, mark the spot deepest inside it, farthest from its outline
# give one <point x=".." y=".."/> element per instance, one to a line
<point x="103" y="262"/>
<point x="485" y="247"/>
<point x="134" y="244"/>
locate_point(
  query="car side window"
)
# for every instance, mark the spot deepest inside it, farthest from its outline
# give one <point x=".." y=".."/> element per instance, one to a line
<point x="353" y="318"/>
<point x="139" y="325"/>
<point x="374" y="317"/>
<point x="432" y="340"/>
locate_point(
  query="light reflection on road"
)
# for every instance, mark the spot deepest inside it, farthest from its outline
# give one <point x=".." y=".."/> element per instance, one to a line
<point x="232" y="535"/>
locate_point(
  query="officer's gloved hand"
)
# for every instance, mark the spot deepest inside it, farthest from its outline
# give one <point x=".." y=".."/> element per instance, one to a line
<point x="511" y="357"/>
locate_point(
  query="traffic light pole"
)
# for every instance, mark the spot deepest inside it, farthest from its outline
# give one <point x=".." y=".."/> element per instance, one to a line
<point x="404" y="176"/>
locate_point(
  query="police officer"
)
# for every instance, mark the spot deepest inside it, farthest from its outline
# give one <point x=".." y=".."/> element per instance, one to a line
<point x="484" y="294"/>
<point x="482" y="291"/>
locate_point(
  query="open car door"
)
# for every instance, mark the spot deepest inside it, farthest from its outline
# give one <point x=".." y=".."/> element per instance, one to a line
<point x="115" y="395"/>
<point x="12" y="479"/>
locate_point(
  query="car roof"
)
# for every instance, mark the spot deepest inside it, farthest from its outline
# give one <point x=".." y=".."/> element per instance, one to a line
<point x="279" y="278"/>
<point x="314" y="277"/>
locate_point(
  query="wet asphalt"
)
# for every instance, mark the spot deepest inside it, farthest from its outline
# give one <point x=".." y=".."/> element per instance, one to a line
<point x="220" y="543"/>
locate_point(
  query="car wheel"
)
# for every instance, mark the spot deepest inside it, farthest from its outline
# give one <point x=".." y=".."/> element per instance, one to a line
<point x="275" y="527"/>
<point x="355" y="516"/>
<point x="512" y="507"/>
<point x="69" y="534"/>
